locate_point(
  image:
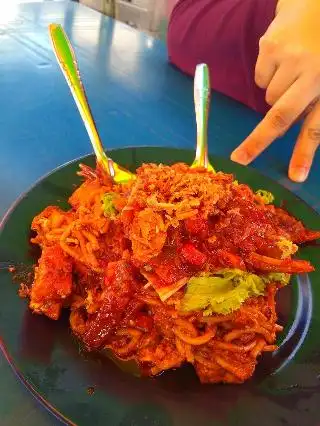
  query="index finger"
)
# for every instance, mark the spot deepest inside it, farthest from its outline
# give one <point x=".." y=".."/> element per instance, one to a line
<point x="277" y="121"/>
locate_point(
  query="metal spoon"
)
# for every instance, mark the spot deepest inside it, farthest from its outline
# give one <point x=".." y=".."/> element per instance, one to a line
<point x="202" y="90"/>
<point x="69" y="67"/>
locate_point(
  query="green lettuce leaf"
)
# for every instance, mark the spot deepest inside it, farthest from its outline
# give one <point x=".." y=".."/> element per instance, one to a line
<point x="225" y="291"/>
<point x="107" y="204"/>
<point x="287" y="247"/>
<point x="279" y="277"/>
<point x="267" y="197"/>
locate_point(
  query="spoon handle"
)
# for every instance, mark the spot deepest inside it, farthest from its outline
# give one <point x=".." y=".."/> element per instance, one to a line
<point x="69" y="67"/>
<point x="202" y="91"/>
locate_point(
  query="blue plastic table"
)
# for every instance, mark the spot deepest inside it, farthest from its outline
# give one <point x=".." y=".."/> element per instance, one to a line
<point x="137" y="99"/>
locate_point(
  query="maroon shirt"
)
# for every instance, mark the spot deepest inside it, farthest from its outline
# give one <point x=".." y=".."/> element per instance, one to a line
<point x="224" y="34"/>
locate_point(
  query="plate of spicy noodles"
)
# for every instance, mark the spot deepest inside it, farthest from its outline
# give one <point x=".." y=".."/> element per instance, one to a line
<point x="183" y="297"/>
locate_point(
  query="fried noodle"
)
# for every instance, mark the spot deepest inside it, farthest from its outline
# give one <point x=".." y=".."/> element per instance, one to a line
<point x="120" y="259"/>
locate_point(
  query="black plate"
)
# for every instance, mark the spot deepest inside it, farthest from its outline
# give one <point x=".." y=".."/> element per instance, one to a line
<point x="92" y="390"/>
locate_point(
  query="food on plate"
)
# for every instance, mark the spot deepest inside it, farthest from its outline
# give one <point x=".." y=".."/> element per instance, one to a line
<point x="179" y="266"/>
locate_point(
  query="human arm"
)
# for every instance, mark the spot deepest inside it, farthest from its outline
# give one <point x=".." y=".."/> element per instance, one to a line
<point x="288" y="68"/>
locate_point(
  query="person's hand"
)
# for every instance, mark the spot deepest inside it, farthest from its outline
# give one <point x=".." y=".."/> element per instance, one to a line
<point x="288" y="67"/>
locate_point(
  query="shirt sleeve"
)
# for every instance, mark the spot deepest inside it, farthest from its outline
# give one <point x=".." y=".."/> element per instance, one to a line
<point x="224" y="34"/>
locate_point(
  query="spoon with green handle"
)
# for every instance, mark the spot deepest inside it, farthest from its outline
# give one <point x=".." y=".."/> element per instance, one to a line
<point x="69" y="67"/>
<point x="202" y="90"/>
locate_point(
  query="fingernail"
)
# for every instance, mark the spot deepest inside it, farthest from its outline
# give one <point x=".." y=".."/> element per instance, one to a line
<point x="240" y="157"/>
<point x="299" y="174"/>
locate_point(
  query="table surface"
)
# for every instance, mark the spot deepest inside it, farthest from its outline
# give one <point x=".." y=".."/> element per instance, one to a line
<point x="137" y="100"/>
